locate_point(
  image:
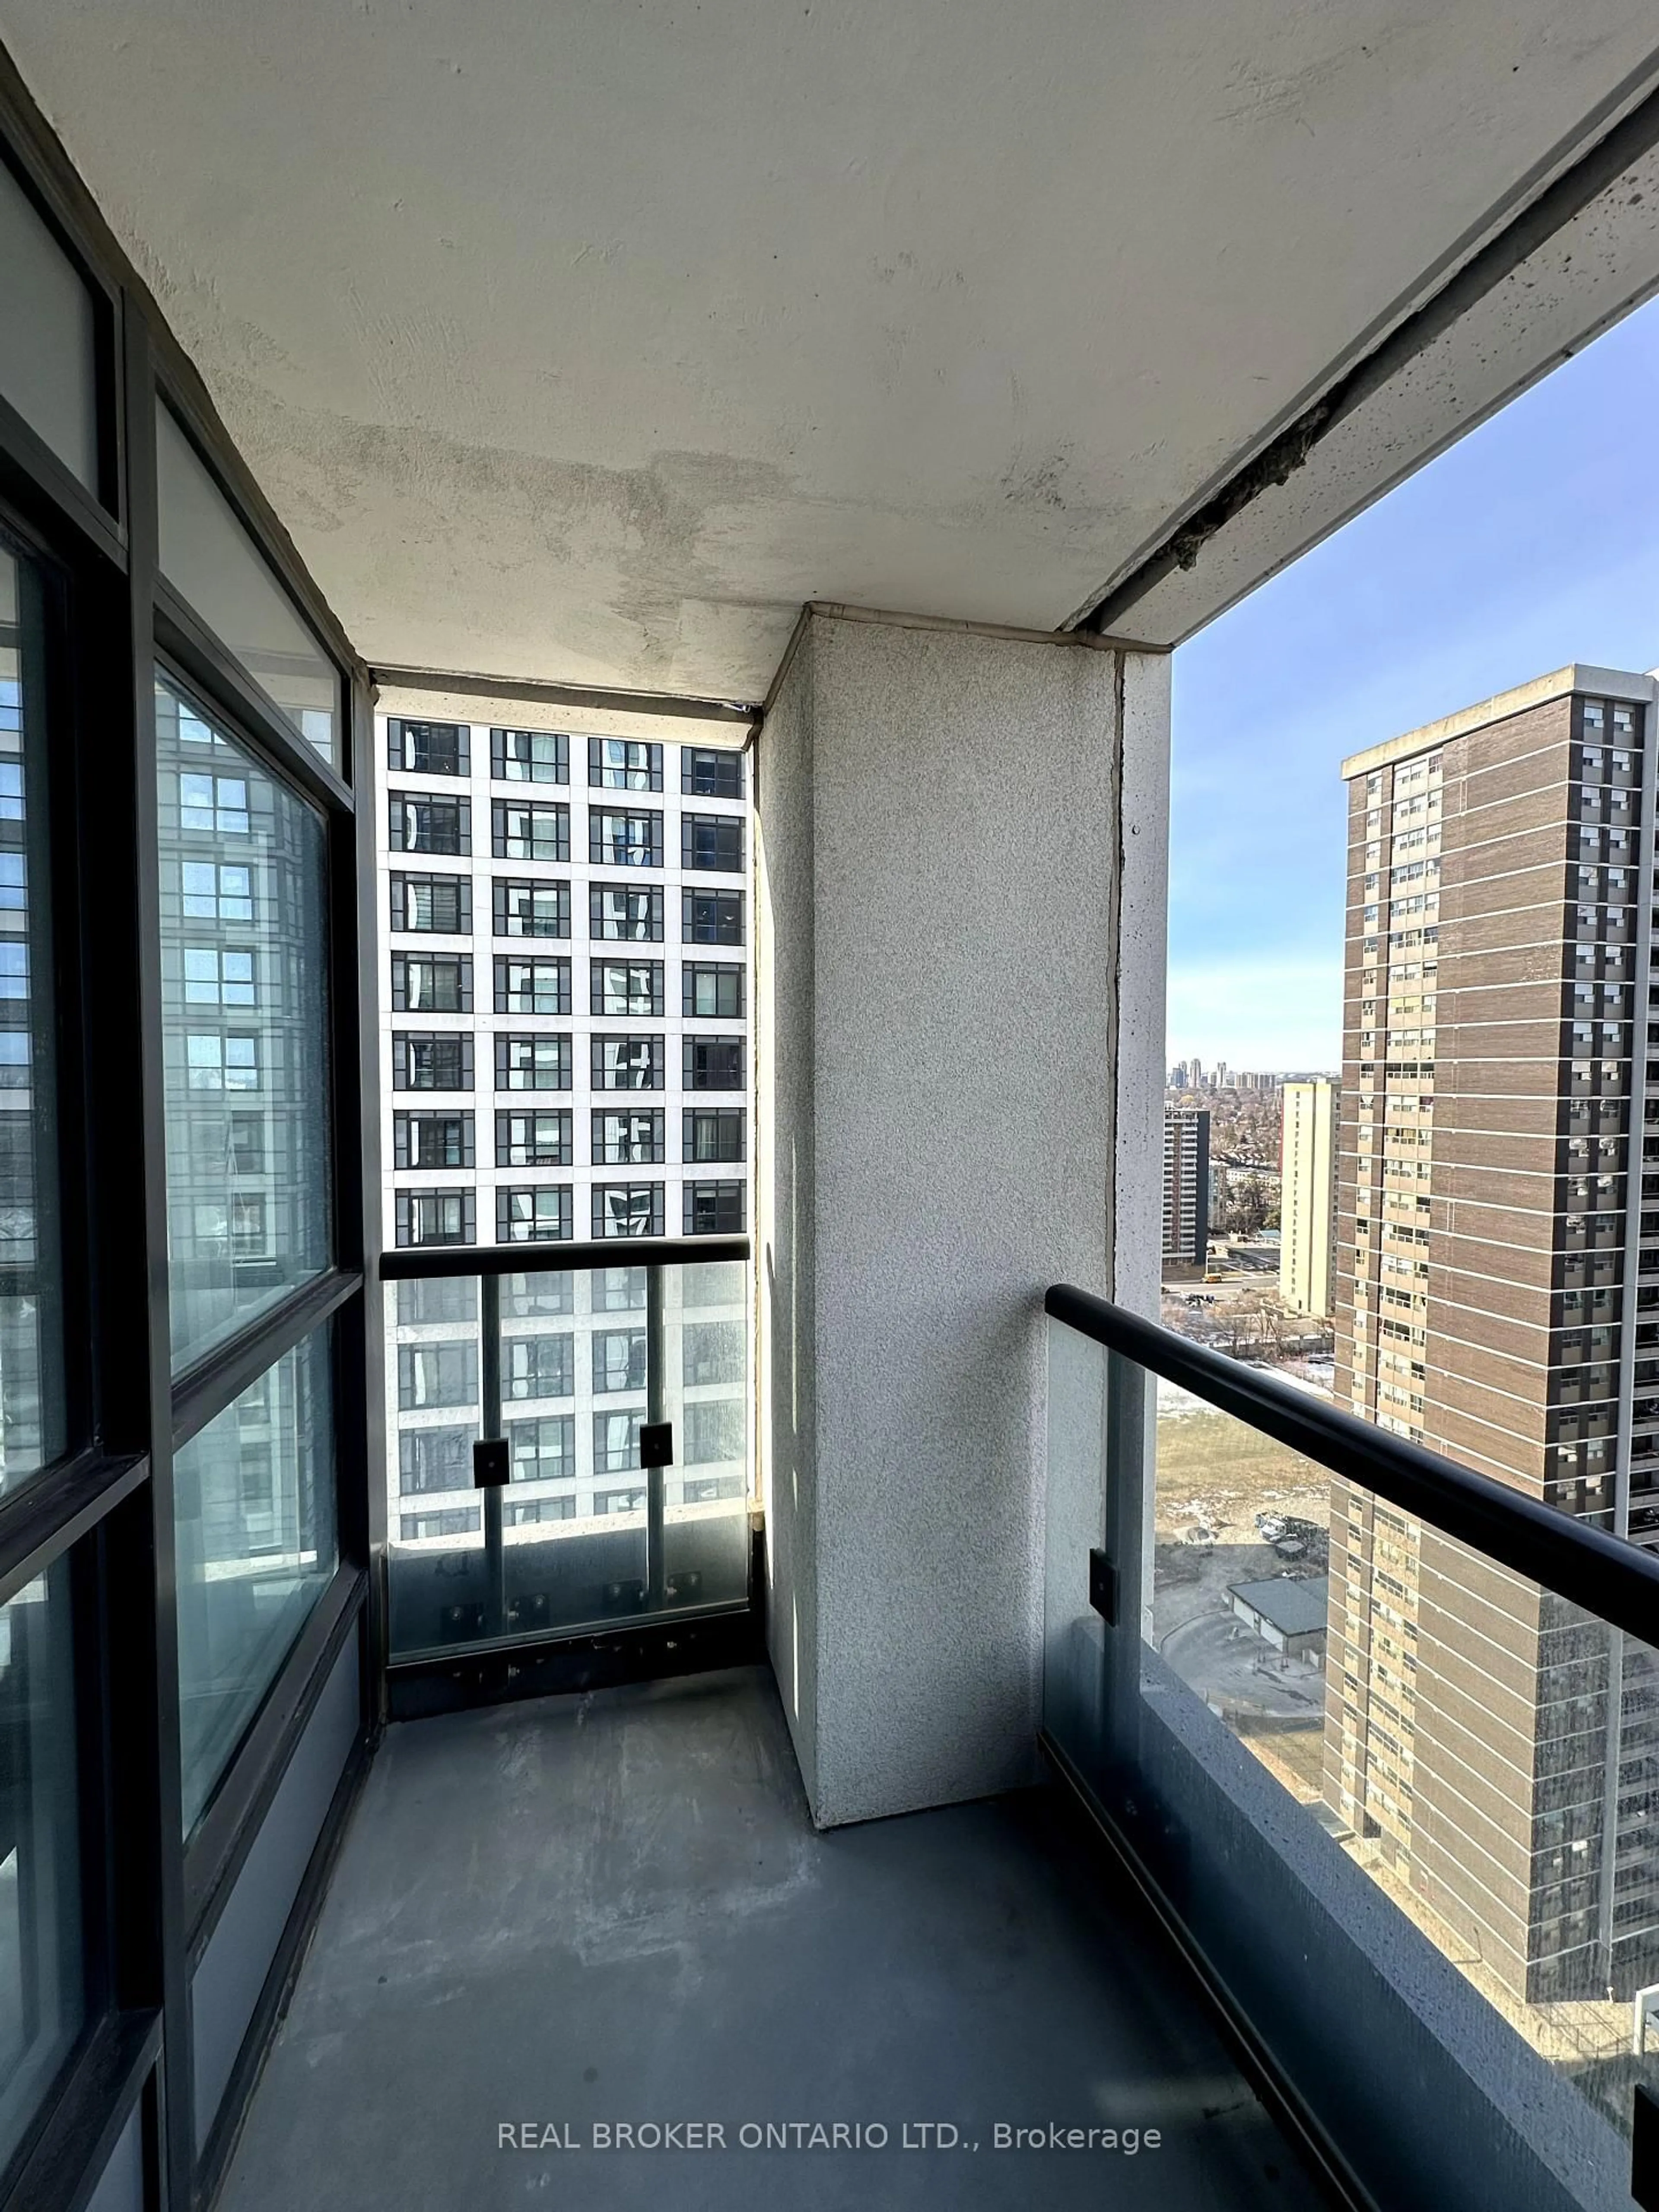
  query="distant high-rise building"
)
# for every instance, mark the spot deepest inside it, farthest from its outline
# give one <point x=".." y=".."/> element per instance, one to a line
<point x="1308" y="1199"/>
<point x="1497" y="1094"/>
<point x="1186" y="1183"/>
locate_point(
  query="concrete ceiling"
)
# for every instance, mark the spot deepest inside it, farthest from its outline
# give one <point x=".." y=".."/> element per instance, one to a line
<point x="583" y="343"/>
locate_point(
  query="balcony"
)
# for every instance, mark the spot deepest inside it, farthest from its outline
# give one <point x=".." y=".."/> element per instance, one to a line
<point x="766" y="1678"/>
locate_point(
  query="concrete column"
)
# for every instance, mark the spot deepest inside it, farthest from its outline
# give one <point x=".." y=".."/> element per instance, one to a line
<point x="941" y="866"/>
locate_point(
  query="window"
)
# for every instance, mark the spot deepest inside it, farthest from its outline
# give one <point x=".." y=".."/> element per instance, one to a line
<point x="534" y="1141"/>
<point x="619" y="1361"/>
<point x="543" y="1449"/>
<point x="208" y="890"/>
<point x="217" y="1062"/>
<point x="432" y="1140"/>
<point x="712" y="990"/>
<point x="434" y="1217"/>
<point x="538" y="1366"/>
<point x="428" y="748"/>
<point x="245" y="1593"/>
<point x="628" y="1209"/>
<point x="454" y="1521"/>
<point x="214" y="804"/>
<point x="621" y="764"/>
<point x="711" y="772"/>
<point x="617" y="1444"/>
<point x="712" y="841"/>
<point x="526" y="1297"/>
<point x="619" y="1290"/>
<point x="440" y="904"/>
<point x="626" y="986"/>
<point x="245" y="941"/>
<point x="625" y="915"/>
<point x="212" y="976"/>
<point x="431" y="983"/>
<point x="711" y="917"/>
<point x="533" y="986"/>
<point x="533" y="1063"/>
<point x="441" y="1298"/>
<point x="631" y="1063"/>
<point x="528" y="1217"/>
<point x="713" y="1352"/>
<point x="625" y="841"/>
<point x="518" y="1512"/>
<point x="48" y="358"/>
<point x="714" y="1132"/>
<point x="433" y="1460"/>
<point x="715" y="1429"/>
<point x="33" y="1424"/>
<point x="437" y="1374"/>
<point x="520" y="832"/>
<point x="628" y="1140"/>
<point x="712" y="1063"/>
<point x="420" y="823"/>
<point x="714" y="1209"/>
<point x="212" y="559"/>
<point x="528" y="757"/>
<point x="43" y="1993"/>
<point x="619" y="1501"/>
<point x="524" y="909"/>
<point x="428" y="1060"/>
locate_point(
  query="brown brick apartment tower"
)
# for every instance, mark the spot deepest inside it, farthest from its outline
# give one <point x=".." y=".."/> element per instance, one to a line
<point x="1497" y="1301"/>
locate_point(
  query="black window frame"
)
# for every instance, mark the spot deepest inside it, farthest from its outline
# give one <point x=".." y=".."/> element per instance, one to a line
<point x="723" y="1118"/>
<point x="713" y="1063"/>
<point x="406" y="1156"/>
<point x="562" y="1193"/>
<point x="651" y="894"/>
<point x="460" y="962"/>
<point x="454" y="806"/>
<point x="601" y="774"/>
<point x="652" y="1010"/>
<point x="693" y="972"/>
<point x="603" y="852"/>
<point x="705" y="917"/>
<point x="530" y="1151"/>
<point x="704" y="843"/>
<point x="560" y="962"/>
<point x="404" y="1042"/>
<point x="398" y="903"/>
<point x="507" y="844"/>
<point x="703" y="772"/>
<point x="400" y="728"/>
<point x="655" y="1056"/>
<point x="499" y="741"/>
<point x="713" y="1208"/>
<point x="601" y="1153"/>
<point x="503" y="889"/>
<point x="518" y="1048"/>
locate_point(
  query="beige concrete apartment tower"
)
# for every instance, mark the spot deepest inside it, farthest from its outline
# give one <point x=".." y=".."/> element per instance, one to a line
<point x="1307" y="1204"/>
<point x="1490" y="1303"/>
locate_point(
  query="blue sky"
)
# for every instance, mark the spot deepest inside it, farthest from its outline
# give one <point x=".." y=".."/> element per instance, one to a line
<point x="1533" y="542"/>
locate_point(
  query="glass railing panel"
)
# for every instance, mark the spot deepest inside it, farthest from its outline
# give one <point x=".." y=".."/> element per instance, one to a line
<point x="1461" y="1825"/>
<point x="708" y="1398"/>
<point x="618" y="1398"/>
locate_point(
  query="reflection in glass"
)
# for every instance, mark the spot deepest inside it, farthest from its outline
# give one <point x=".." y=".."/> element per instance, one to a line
<point x="42" y="1985"/>
<point x="255" y="1531"/>
<point x="210" y="560"/>
<point x="243" y="997"/>
<point x="32" y="1412"/>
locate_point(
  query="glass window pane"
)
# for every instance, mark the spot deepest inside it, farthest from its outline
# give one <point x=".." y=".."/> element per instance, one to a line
<point x="43" y="2002"/>
<point x="48" y="336"/>
<point x="31" y="1410"/>
<point x="247" y="1079"/>
<point x="210" y="560"/>
<point x="255" y="1531"/>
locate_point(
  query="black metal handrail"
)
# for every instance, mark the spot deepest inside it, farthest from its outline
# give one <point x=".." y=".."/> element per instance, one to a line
<point x="1606" y="1575"/>
<point x="544" y="1255"/>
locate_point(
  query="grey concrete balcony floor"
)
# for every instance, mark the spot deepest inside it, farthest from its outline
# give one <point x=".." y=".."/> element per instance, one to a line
<point x="583" y="1911"/>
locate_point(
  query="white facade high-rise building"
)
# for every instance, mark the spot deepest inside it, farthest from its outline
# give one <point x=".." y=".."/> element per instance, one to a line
<point x="1307" y="1216"/>
<point x="565" y="1036"/>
